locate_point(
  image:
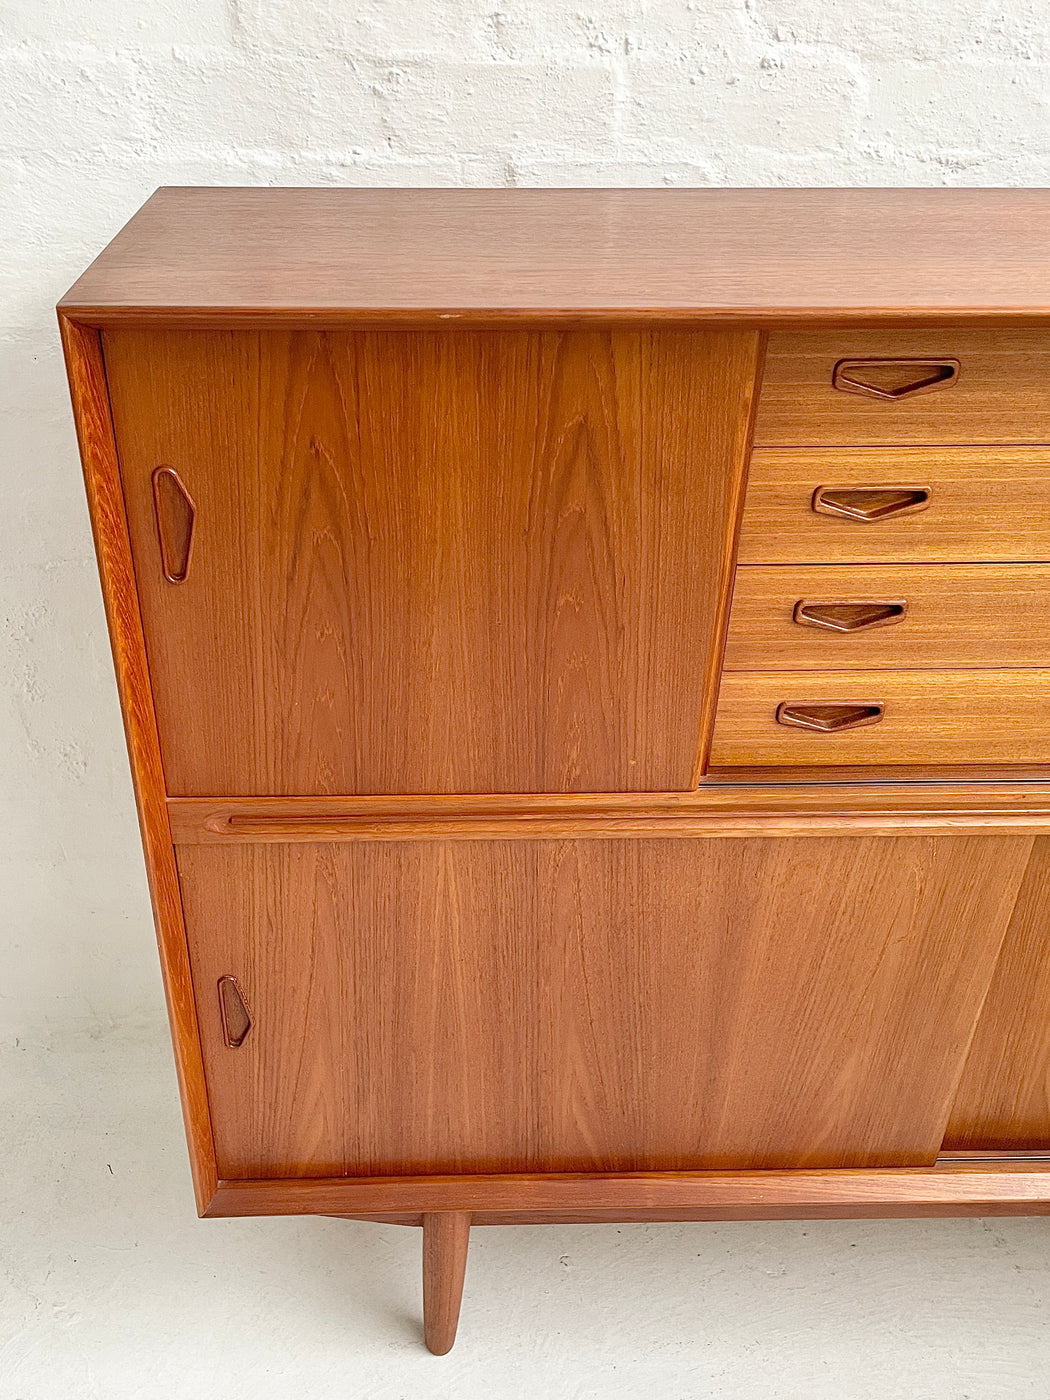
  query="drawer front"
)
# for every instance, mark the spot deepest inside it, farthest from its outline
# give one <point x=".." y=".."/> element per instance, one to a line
<point x="872" y="505"/>
<point x="901" y="616"/>
<point x="832" y="718"/>
<point x="905" y="387"/>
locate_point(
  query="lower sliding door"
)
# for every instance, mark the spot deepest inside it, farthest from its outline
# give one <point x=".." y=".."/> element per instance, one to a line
<point x="590" y="1005"/>
<point x="1003" y="1103"/>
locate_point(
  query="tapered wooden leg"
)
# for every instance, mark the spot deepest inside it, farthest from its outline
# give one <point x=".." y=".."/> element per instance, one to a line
<point x="446" y="1234"/>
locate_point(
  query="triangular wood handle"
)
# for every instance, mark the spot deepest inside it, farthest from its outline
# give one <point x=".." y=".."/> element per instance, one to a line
<point x="233" y="1010"/>
<point x="829" y="717"/>
<point x="870" y="503"/>
<point x="893" y="380"/>
<point x="176" y="515"/>
<point x="849" y="615"/>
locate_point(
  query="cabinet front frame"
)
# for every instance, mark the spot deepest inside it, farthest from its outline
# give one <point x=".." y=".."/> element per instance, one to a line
<point x="1004" y="1184"/>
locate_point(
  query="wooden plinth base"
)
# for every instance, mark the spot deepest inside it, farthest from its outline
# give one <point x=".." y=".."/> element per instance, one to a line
<point x="960" y="1185"/>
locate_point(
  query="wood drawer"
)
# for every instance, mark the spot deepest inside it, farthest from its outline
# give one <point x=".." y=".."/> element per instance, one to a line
<point x="997" y="393"/>
<point x="929" y="504"/>
<point x="902" y="616"/>
<point x="928" y="717"/>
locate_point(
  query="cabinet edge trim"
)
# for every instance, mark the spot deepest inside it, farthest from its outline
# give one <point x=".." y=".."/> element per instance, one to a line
<point x="946" y="1188"/>
<point x="89" y="392"/>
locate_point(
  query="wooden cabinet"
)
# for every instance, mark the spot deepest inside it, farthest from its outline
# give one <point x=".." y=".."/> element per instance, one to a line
<point x="586" y="673"/>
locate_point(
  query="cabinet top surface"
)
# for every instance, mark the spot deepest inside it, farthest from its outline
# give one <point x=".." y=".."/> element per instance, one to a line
<point x="769" y="254"/>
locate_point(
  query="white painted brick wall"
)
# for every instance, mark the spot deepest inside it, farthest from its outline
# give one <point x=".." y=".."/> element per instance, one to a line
<point x="102" y="100"/>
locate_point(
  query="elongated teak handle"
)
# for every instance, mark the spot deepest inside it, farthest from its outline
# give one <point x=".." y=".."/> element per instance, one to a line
<point x="234" y="1013"/>
<point x="176" y="516"/>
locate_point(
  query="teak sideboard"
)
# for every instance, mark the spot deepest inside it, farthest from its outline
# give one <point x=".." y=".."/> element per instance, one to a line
<point x="585" y="658"/>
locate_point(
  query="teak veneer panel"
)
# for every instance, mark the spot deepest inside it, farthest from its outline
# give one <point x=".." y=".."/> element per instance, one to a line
<point x="999" y="395"/>
<point x="439" y="561"/>
<point x="957" y="615"/>
<point x="931" y="717"/>
<point x="787" y="254"/>
<point x="986" y="504"/>
<point x="598" y="1006"/>
<point x="1003" y="1102"/>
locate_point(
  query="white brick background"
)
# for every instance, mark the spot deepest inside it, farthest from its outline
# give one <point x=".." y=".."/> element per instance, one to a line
<point x="102" y="100"/>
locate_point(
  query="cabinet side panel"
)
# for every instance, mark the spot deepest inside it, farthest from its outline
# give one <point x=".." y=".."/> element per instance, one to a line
<point x="87" y="381"/>
<point x="436" y="560"/>
<point x="603" y="1005"/>
<point x="1003" y="1103"/>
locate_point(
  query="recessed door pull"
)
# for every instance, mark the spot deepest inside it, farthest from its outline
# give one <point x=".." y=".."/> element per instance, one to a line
<point x="176" y="516"/>
<point x="233" y="1009"/>
<point x="870" y="503"/>
<point x="893" y="380"/>
<point x="849" y="615"/>
<point x="829" y="717"/>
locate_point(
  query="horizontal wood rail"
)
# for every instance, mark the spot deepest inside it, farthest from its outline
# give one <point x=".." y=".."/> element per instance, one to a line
<point x="1003" y="1186"/>
<point x="726" y="810"/>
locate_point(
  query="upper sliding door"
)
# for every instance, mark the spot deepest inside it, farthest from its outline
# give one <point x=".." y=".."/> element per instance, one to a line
<point x="383" y="561"/>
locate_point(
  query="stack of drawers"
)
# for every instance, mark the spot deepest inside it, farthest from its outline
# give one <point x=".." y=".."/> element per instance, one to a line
<point x="892" y="596"/>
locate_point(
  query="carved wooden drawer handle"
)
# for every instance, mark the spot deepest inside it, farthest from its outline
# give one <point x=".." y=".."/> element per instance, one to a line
<point x="176" y="514"/>
<point x="849" y="616"/>
<point x="868" y="503"/>
<point x="893" y="379"/>
<point x="233" y="1009"/>
<point x="829" y="717"/>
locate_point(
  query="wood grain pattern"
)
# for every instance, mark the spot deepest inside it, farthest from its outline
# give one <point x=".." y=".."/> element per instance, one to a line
<point x="930" y="717"/>
<point x="101" y="476"/>
<point x="998" y="396"/>
<point x="599" y="1006"/>
<point x="715" y="810"/>
<point x="958" y="615"/>
<point x="948" y="1188"/>
<point x="778" y="255"/>
<point x="1004" y="1096"/>
<point x="986" y="504"/>
<point x="446" y="561"/>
